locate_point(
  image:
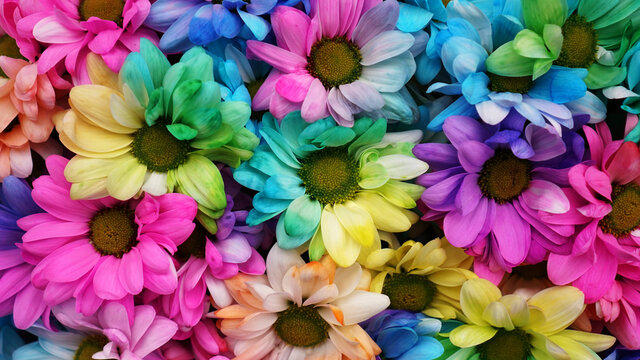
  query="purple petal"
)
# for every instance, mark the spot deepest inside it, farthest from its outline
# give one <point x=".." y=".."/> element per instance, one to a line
<point x="473" y="155"/>
<point x="469" y="194"/>
<point x="438" y="156"/>
<point x="512" y="234"/>
<point x="460" y="129"/>
<point x="462" y="230"/>
<point x="546" y="196"/>
<point x="545" y="142"/>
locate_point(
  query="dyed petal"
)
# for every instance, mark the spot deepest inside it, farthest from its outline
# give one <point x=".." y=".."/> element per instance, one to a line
<point x="512" y="234"/>
<point x="546" y="196"/>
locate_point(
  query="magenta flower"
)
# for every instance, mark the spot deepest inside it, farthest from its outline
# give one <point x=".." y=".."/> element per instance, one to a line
<point x="105" y="249"/>
<point x="494" y="187"/>
<point x="70" y="29"/>
<point x="346" y="59"/>
<point x="205" y="343"/>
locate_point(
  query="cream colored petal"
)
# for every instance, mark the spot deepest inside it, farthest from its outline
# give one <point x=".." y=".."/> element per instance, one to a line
<point x="361" y="305"/>
<point x="81" y="168"/>
<point x="347" y="279"/>
<point x="497" y="315"/>
<point x="576" y="350"/>
<point x="546" y="349"/>
<point x="471" y="335"/>
<point x="386" y="216"/>
<point x="403" y="167"/>
<point x="561" y="305"/>
<point x="596" y="342"/>
<point x="155" y="183"/>
<point x="475" y="296"/>
<point x="99" y="72"/>
<point x="126" y="178"/>
<point x="357" y="222"/>
<point x="123" y="115"/>
<point x="90" y="189"/>
<point x="342" y="248"/>
<point x="93" y="102"/>
<point x="517" y="308"/>
<point x="93" y="138"/>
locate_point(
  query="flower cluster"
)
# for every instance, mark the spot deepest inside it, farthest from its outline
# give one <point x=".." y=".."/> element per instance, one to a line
<point x="319" y="179"/>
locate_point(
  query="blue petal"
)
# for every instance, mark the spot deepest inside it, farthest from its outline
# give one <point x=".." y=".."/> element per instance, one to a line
<point x="459" y="107"/>
<point x="446" y="89"/>
<point x="428" y="326"/>
<point x="17" y="195"/>
<point x="266" y="204"/>
<point x="396" y="341"/>
<point x="427" y="348"/>
<point x="461" y="27"/>
<point x="505" y="28"/>
<point x="461" y="56"/>
<point x="261" y="7"/>
<point x="438" y="10"/>
<point x="412" y="18"/>
<point x="284" y="187"/>
<point x="176" y="38"/>
<point x="474" y="88"/>
<point x="249" y="177"/>
<point x="241" y="94"/>
<point x="259" y="27"/>
<point x="512" y="8"/>
<point x="163" y="13"/>
<point x="225" y="23"/>
<point x="560" y="85"/>
<point x="201" y="30"/>
<point x="427" y="68"/>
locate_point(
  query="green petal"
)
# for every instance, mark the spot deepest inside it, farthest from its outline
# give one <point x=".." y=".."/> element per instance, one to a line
<point x="156" y="61"/>
<point x="200" y="179"/>
<point x="245" y="139"/>
<point x="199" y="67"/>
<point x="372" y="135"/>
<point x="335" y="137"/>
<point x="208" y="222"/>
<point x="541" y="67"/>
<point x="505" y="61"/>
<point x="531" y="45"/>
<point x="553" y="39"/>
<point x="235" y="114"/>
<point x="302" y="216"/>
<point x="172" y="79"/>
<point x="222" y="136"/>
<point x="361" y="125"/>
<point x="401" y="194"/>
<point x="136" y="75"/>
<point x="155" y="108"/>
<point x="182" y="132"/>
<point x="206" y="120"/>
<point x="620" y="12"/>
<point x="593" y="9"/>
<point x="601" y="76"/>
<point x="471" y="335"/>
<point x="373" y="175"/>
<point x="538" y="13"/>
<point x="228" y="155"/>
<point x="181" y="96"/>
<point x="316" y="247"/>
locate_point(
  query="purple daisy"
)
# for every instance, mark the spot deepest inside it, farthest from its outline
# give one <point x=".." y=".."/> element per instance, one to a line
<point x="492" y="185"/>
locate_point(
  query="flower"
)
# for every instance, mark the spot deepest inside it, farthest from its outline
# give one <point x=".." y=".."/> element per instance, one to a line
<point x="205" y="343"/>
<point x="102" y="250"/>
<point x="27" y="104"/>
<point x="553" y="98"/>
<point x="300" y="310"/>
<point x="333" y="184"/>
<point x="19" y="297"/>
<point x="156" y="131"/>
<point x="583" y="35"/>
<point x="186" y="23"/>
<point x="511" y="327"/>
<point x="405" y="335"/>
<point x="419" y="277"/>
<point x="70" y="30"/>
<point x="347" y="59"/>
<point x="495" y="187"/>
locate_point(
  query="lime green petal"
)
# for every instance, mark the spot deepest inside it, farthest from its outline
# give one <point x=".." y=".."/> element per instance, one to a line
<point x="462" y="354"/>
<point x="230" y="156"/>
<point x="552" y="36"/>
<point x="155" y="108"/>
<point x="373" y="135"/>
<point x="357" y="222"/>
<point x="372" y="175"/>
<point x="235" y="114"/>
<point x="207" y="220"/>
<point x="505" y="61"/>
<point x="342" y="248"/>
<point x="200" y="178"/>
<point x="156" y="61"/>
<point x="181" y="96"/>
<point x="182" y="132"/>
<point x="540" y="67"/>
<point x="245" y="139"/>
<point x="538" y="13"/>
<point x="386" y="216"/>
<point x="302" y="216"/>
<point x="561" y="305"/>
<point x="395" y="194"/>
<point x="601" y="76"/>
<point x="529" y="44"/>
<point x="596" y="342"/>
<point x="403" y="167"/>
<point x="222" y="136"/>
<point x="126" y="178"/>
<point x="496" y="315"/>
<point x="471" y="335"/>
<point x="316" y="246"/>
<point x="475" y="296"/>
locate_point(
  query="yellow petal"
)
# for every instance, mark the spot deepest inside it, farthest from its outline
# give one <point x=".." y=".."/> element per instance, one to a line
<point x="342" y="248"/>
<point x="90" y="189"/>
<point x="451" y="277"/>
<point x="543" y="349"/>
<point x="82" y="168"/>
<point x="517" y="308"/>
<point x="94" y="103"/>
<point x="465" y="336"/>
<point x="93" y="138"/>
<point x="378" y="258"/>
<point x="378" y="282"/>
<point x="497" y="315"/>
<point x="126" y="178"/>
<point x="561" y="305"/>
<point x="99" y="72"/>
<point x="596" y="342"/>
<point x="124" y="115"/>
<point x="69" y="144"/>
<point x="357" y="222"/>
<point x="475" y="296"/>
<point x="386" y="216"/>
<point x="576" y="350"/>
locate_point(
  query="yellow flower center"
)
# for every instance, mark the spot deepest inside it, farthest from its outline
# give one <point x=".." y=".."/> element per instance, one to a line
<point x="506" y="345"/>
<point x="579" y="44"/>
<point x="113" y="231"/>
<point x="194" y="245"/>
<point x="155" y="147"/>
<point x="89" y="346"/>
<point x="409" y="291"/>
<point x="335" y="61"/>
<point x="625" y="211"/>
<point x="103" y="9"/>
<point x="519" y="84"/>
<point x="504" y="177"/>
<point x="301" y="326"/>
<point x="330" y="176"/>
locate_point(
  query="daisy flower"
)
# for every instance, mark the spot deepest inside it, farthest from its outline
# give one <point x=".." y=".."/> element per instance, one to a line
<point x="419" y="277"/>
<point x="205" y="343"/>
<point x="156" y="128"/>
<point x="575" y="34"/>
<point x="19" y="297"/>
<point x="334" y="184"/>
<point x="494" y="187"/>
<point x="27" y="105"/>
<point x="344" y="60"/>
<point x="300" y="310"/>
<point x="104" y="249"/>
<point x="511" y="327"/>
<point x="68" y="30"/>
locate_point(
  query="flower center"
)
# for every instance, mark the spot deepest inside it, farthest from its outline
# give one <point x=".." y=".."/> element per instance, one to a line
<point x="504" y="177"/>
<point x="194" y="245"/>
<point x="625" y="211"/>
<point x="155" y="147"/>
<point x="113" y="231"/>
<point x="89" y="346"/>
<point x="330" y="176"/>
<point x="301" y="326"/>
<point x="335" y="61"/>
<point x="579" y="44"/>
<point x="103" y="9"/>
<point x="506" y="345"/>
<point x="518" y="84"/>
<point x="408" y="291"/>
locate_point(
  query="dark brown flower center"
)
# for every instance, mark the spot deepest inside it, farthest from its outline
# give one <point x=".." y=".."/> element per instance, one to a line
<point x="113" y="231"/>
<point x="330" y="175"/>
<point x="103" y="9"/>
<point x="579" y="44"/>
<point x="625" y="211"/>
<point x="504" y="177"/>
<point x="335" y="61"/>
<point x="518" y="84"/>
<point x="409" y="291"/>
<point x="155" y="147"/>
<point x="89" y="346"/>
<point x="301" y="326"/>
<point x="506" y="345"/>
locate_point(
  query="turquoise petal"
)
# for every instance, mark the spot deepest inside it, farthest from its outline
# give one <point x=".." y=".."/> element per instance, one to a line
<point x="302" y="216"/>
<point x="205" y="120"/>
<point x="291" y="127"/>
<point x="280" y="147"/>
<point x="284" y="187"/>
<point x="412" y="18"/>
<point x="182" y="132"/>
<point x="156" y="61"/>
<point x="335" y="137"/>
<point x="248" y="177"/>
<point x="266" y="204"/>
<point x="136" y="75"/>
<point x="267" y="162"/>
<point x="601" y="76"/>
<point x="256" y="217"/>
<point x="286" y="241"/>
<point x="155" y="108"/>
<point x="593" y="9"/>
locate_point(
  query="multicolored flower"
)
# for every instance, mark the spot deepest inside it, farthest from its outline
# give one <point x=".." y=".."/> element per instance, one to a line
<point x="301" y="311"/>
<point x="334" y="185"/>
<point x="103" y="250"/>
<point x="419" y="277"/>
<point x="346" y="59"/>
<point x="155" y="129"/>
<point x="511" y="327"/>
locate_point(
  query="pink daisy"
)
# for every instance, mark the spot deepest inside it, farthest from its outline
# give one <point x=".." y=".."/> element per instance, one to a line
<point x="345" y="59"/>
<point x="70" y="29"/>
<point x="105" y="249"/>
<point x="206" y="343"/>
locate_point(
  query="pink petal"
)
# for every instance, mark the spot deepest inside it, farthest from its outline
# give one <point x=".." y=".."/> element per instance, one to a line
<point x="599" y="182"/>
<point x="213" y="256"/>
<point x="160" y="331"/>
<point x="28" y="307"/>
<point x="142" y="320"/>
<point x="12" y="66"/>
<point x="131" y="272"/>
<point x="280" y="107"/>
<point x="328" y="11"/>
<point x="290" y="26"/>
<point x="255" y="265"/>
<point x="53" y="54"/>
<point x="106" y="281"/>
<point x="163" y="284"/>
<point x="55" y="200"/>
<point x="294" y="87"/>
<point x="314" y="106"/>
<point x="340" y="108"/>
<point x="512" y="234"/>
<point x="462" y="230"/>
<point x="382" y="17"/>
<point x="114" y="316"/>
<point x="595" y="144"/>
<point x="104" y="41"/>
<point x="49" y="30"/>
<point x="578" y="182"/>
<point x="263" y="96"/>
<point x="624" y="167"/>
<point x="234" y="249"/>
<point x="69" y="262"/>
<point x="50" y="230"/>
<point x="597" y="280"/>
<point x="484" y="271"/>
<point x="147" y="211"/>
<point x="279" y="58"/>
<point x="563" y="269"/>
<point x="154" y="258"/>
<point x="546" y="196"/>
<point x="14" y="280"/>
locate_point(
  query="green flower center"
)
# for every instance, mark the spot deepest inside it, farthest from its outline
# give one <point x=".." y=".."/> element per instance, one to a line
<point x="409" y="291"/>
<point x="506" y="345"/>
<point x="504" y="177"/>
<point x="89" y="346"/>
<point x="155" y="147"/>
<point x="194" y="245"/>
<point x="113" y="231"/>
<point x="330" y="176"/>
<point x="579" y="44"/>
<point x="625" y="211"/>
<point x="301" y="326"/>
<point x="103" y="9"/>
<point x="335" y="61"/>
<point x="518" y="84"/>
